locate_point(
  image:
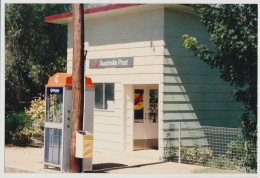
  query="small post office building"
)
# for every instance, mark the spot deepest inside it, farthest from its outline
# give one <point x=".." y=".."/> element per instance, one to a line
<point x="146" y="81"/>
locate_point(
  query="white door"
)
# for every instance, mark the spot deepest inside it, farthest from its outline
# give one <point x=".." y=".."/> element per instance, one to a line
<point x="145" y="117"/>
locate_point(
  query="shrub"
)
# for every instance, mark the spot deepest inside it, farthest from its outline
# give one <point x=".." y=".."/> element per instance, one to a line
<point x="21" y="136"/>
<point x="24" y="128"/>
<point x="195" y="155"/>
<point x="14" y="124"/>
<point x="36" y="112"/>
<point x="171" y="154"/>
<point x="235" y="158"/>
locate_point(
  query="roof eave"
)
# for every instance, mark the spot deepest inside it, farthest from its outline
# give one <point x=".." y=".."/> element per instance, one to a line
<point x="64" y="17"/>
<point x="115" y="9"/>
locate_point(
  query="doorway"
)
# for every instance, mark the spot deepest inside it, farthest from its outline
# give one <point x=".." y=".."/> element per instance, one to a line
<point x="145" y="130"/>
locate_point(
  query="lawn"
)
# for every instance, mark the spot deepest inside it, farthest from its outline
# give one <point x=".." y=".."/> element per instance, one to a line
<point x="217" y="171"/>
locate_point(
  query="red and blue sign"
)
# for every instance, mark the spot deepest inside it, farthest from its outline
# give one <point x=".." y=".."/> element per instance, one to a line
<point x="120" y="62"/>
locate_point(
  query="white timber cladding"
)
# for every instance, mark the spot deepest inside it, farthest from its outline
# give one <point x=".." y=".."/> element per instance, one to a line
<point x="138" y="35"/>
<point x="193" y="93"/>
<point x="128" y="118"/>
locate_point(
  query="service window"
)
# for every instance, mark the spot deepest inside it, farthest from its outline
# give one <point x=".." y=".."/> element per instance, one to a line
<point x="104" y="96"/>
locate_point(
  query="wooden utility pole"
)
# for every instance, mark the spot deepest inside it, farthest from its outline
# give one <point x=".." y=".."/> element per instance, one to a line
<point x="77" y="84"/>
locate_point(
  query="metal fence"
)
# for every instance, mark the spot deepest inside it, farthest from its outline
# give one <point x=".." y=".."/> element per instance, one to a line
<point x="217" y="147"/>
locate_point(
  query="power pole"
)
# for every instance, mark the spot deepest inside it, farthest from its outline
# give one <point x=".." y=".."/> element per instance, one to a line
<point x="77" y="84"/>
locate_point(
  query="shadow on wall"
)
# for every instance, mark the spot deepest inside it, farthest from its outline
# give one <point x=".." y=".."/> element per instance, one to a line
<point x="194" y="94"/>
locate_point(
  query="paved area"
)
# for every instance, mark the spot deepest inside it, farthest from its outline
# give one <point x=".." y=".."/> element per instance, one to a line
<point x="30" y="160"/>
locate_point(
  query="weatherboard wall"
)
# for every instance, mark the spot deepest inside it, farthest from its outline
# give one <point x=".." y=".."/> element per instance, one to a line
<point x="138" y="35"/>
<point x="190" y="91"/>
<point x="193" y="93"/>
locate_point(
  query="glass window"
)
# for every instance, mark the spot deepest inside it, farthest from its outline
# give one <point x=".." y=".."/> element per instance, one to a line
<point x="52" y="145"/>
<point x="104" y="96"/>
<point x="139" y="106"/>
<point x="54" y="108"/>
<point x="99" y="96"/>
<point x="153" y="100"/>
<point x="109" y="96"/>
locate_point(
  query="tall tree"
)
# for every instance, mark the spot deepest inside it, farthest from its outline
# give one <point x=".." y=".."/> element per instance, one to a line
<point x="35" y="50"/>
<point x="233" y="33"/>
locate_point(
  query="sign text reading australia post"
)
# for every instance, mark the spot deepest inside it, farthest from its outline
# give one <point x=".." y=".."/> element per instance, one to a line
<point x="120" y="62"/>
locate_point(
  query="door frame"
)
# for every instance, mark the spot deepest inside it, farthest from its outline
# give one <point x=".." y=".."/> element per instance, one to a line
<point x="128" y="114"/>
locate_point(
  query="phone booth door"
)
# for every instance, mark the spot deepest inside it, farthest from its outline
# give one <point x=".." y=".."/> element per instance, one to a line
<point x="53" y="125"/>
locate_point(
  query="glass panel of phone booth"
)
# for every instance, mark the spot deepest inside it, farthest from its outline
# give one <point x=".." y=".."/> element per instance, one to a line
<point x="54" y="108"/>
<point x="53" y="136"/>
<point x="52" y="146"/>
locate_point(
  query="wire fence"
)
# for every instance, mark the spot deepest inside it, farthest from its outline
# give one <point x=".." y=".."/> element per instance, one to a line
<point x="216" y="147"/>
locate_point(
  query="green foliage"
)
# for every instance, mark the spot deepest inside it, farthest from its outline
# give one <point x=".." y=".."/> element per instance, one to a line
<point x="21" y="137"/>
<point x="35" y="50"/>
<point x="26" y="127"/>
<point x="235" y="158"/>
<point x="14" y="124"/>
<point x="195" y="155"/>
<point x="251" y="156"/>
<point x="36" y="112"/>
<point x="171" y="154"/>
<point x="235" y="149"/>
<point x="233" y="33"/>
<point x="221" y="162"/>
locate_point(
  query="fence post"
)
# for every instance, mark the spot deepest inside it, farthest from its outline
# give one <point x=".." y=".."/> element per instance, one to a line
<point x="179" y="142"/>
<point x="246" y="151"/>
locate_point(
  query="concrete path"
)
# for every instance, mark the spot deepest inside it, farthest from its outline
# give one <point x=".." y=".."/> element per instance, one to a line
<point x="30" y="160"/>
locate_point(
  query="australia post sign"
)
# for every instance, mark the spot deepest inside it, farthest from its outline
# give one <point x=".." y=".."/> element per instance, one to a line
<point x="119" y="62"/>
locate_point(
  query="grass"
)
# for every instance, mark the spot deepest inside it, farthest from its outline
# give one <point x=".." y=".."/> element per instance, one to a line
<point x="217" y="171"/>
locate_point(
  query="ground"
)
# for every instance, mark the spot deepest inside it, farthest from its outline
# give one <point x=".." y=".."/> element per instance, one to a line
<point x="30" y="159"/>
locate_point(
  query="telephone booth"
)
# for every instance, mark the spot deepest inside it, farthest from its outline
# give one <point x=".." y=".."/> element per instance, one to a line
<point x="58" y="113"/>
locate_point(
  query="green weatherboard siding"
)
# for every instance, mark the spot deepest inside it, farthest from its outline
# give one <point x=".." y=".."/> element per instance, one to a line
<point x="193" y="93"/>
